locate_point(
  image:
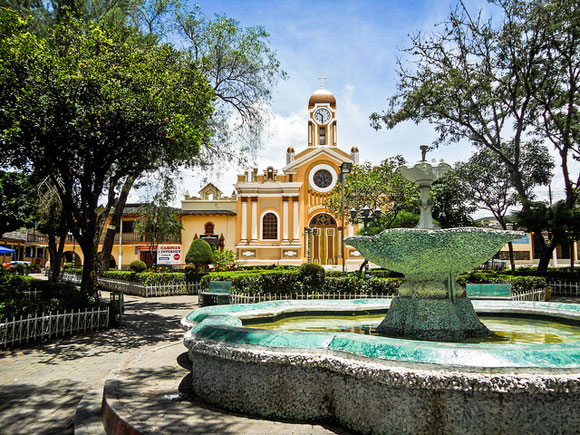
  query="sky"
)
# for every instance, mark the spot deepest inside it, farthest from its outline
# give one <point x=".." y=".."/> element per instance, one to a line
<point x="355" y="44"/>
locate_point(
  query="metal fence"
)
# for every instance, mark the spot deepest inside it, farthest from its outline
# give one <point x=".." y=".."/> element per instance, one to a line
<point x="75" y="278"/>
<point x="149" y="290"/>
<point x="563" y="288"/>
<point x="538" y="294"/>
<point x="48" y="325"/>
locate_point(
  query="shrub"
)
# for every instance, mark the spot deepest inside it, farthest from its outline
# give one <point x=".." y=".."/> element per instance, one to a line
<point x="138" y="266"/>
<point x="519" y="283"/>
<point x="199" y="253"/>
<point x="312" y="275"/>
<point x="144" y="278"/>
<point x="223" y="259"/>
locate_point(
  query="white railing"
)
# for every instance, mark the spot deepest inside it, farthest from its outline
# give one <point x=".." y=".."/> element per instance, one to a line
<point x="149" y="290"/>
<point x="75" y="278"/>
<point x="47" y="325"/>
<point x="563" y="288"/>
<point x="538" y="294"/>
<point x="237" y="298"/>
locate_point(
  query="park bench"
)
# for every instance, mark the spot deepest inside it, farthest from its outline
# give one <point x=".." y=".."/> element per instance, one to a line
<point x="218" y="293"/>
<point x="489" y="291"/>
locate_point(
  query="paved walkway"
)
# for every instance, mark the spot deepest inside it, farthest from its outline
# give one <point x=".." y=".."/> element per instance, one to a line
<point x="41" y="386"/>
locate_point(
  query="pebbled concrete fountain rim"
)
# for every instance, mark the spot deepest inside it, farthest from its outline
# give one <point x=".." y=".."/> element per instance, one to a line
<point x="222" y="326"/>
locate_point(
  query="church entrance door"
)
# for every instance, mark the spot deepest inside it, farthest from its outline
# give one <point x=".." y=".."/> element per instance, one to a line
<point x="324" y="240"/>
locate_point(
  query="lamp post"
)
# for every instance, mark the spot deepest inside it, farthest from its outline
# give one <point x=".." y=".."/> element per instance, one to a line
<point x="365" y="215"/>
<point x="74" y="247"/>
<point x="345" y="168"/>
<point x="307" y="232"/>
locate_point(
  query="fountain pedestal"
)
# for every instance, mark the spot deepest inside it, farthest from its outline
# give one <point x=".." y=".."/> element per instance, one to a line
<point x="432" y="319"/>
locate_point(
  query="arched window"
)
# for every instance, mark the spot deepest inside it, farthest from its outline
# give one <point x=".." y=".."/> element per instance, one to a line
<point x="209" y="228"/>
<point x="270" y="227"/>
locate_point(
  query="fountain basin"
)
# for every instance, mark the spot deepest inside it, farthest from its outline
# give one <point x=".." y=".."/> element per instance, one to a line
<point x="432" y="255"/>
<point x="380" y="384"/>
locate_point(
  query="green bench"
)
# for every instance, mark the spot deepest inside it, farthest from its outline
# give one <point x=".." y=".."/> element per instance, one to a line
<point x="489" y="291"/>
<point x="218" y="293"/>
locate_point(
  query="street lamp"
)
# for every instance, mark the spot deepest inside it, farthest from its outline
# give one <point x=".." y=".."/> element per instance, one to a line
<point x="365" y="215"/>
<point x="307" y="232"/>
<point x="345" y="168"/>
<point x="74" y="246"/>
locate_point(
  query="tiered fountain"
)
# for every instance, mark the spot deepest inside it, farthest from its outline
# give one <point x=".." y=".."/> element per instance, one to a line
<point x="431" y="305"/>
<point x="382" y="384"/>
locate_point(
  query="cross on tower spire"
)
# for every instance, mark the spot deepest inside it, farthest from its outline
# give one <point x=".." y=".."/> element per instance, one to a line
<point x="321" y="77"/>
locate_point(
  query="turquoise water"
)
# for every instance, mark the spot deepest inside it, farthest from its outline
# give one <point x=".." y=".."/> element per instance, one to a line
<point x="505" y="330"/>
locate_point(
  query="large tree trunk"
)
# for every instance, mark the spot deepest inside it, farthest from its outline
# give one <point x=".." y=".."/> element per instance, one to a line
<point x="512" y="261"/>
<point x="114" y="223"/>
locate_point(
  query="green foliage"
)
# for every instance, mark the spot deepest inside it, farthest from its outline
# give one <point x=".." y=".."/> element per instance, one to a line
<point x="507" y="85"/>
<point x="223" y="259"/>
<point x="291" y="283"/>
<point x="138" y="266"/>
<point x="376" y="186"/>
<point x="311" y="274"/>
<point x="17" y="296"/>
<point x="158" y="222"/>
<point x="519" y="283"/>
<point x="451" y="206"/>
<point x="258" y="281"/>
<point x="199" y="253"/>
<point x="89" y="106"/>
<point x="242" y="69"/>
<point x="17" y="201"/>
<point x="149" y="278"/>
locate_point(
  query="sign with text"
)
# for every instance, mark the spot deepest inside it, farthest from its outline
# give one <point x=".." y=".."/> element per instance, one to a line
<point x="169" y="254"/>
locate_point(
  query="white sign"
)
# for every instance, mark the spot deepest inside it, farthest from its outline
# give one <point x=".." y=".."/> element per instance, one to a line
<point x="169" y="254"/>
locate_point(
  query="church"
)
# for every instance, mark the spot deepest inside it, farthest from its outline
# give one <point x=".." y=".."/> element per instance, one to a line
<point x="280" y="216"/>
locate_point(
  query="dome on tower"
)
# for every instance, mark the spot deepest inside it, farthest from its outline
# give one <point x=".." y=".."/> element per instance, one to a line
<point x="322" y="95"/>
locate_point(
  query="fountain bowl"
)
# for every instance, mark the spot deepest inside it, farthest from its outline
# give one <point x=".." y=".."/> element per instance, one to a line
<point x="428" y="254"/>
<point x="384" y="385"/>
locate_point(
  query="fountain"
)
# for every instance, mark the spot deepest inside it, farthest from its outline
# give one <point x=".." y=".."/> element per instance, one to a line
<point x="390" y="383"/>
<point x="431" y="305"/>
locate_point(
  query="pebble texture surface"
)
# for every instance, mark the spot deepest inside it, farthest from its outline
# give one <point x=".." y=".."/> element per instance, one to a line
<point x="383" y="385"/>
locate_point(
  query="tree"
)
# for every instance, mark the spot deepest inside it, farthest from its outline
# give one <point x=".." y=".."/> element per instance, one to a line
<point x="376" y="186"/>
<point x="242" y="70"/>
<point x="451" y="208"/>
<point x="90" y="107"/>
<point x="50" y="220"/>
<point x="158" y="222"/>
<point x="17" y="199"/>
<point x="504" y="87"/>
<point x="199" y="255"/>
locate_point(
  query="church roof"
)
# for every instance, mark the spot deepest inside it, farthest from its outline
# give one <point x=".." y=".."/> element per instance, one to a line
<point x="322" y="95"/>
<point x="207" y="212"/>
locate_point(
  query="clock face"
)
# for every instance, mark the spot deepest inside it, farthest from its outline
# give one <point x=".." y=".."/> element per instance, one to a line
<point x="322" y="178"/>
<point x="322" y="116"/>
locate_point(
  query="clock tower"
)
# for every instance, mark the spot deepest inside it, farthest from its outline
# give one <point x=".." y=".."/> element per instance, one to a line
<point x="322" y="117"/>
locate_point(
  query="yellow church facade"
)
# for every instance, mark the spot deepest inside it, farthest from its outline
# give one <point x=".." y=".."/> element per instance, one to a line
<point x="280" y="214"/>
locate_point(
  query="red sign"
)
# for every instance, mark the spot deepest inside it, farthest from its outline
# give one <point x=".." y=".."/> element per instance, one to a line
<point x="176" y="257"/>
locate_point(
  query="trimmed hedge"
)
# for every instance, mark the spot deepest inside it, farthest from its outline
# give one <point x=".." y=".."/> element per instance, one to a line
<point x="519" y="283"/>
<point x="146" y="278"/>
<point x="552" y="274"/>
<point x="290" y="282"/>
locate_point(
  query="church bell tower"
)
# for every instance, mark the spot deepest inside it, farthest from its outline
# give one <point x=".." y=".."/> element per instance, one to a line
<point x="322" y="117"/>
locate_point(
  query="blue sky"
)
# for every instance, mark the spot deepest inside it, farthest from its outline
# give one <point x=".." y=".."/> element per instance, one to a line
<point x="356" y="45"/>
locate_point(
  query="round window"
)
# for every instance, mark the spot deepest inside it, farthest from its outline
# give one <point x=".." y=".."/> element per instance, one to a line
<point x="322" y="178"/>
